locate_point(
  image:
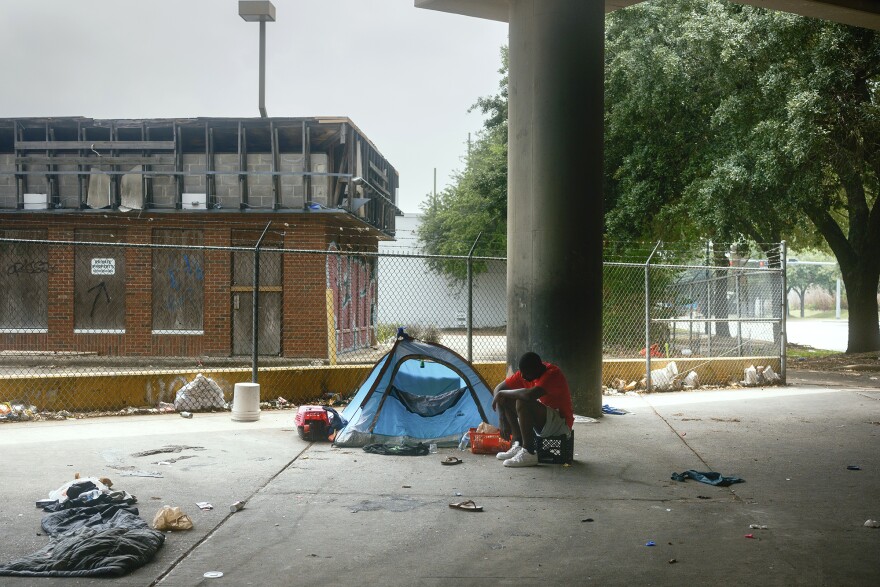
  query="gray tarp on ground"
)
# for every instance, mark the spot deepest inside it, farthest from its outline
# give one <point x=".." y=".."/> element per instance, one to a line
<point x="105" y="540"/>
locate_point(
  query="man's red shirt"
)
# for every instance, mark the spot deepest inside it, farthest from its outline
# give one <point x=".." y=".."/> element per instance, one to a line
<point x="558" y="396"/>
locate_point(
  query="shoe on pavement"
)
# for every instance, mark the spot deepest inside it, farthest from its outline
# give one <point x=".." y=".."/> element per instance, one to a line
<point x="523" y="458"/>
<point x="515" y="448"/>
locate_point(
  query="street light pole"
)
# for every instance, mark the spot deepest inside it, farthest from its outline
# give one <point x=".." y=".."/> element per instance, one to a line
<point x="260" y="11"/>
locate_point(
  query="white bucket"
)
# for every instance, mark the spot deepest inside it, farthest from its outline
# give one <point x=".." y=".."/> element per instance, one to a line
<point x="246" y="402"/>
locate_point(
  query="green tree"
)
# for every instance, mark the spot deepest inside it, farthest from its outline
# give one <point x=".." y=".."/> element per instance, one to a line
<point x="802" y="274"/>
<point x="734" y="122"/>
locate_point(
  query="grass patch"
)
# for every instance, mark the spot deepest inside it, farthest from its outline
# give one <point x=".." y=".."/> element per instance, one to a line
<point x="795" y="351"/>
<point x="795" y="314"/>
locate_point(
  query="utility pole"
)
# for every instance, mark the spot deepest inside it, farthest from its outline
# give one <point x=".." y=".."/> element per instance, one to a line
<point x="260" y="11"/>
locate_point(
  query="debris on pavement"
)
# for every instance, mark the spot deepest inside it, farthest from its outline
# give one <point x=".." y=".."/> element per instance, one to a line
<point x="650" y="543"/>
<point x="204" y="505"/>
<point x="237" y="506"/>
<point x="171" y="518"/>
<point x="757" y="526"/>
<point x="608" y="409"/>
<point x="201" y="393"/>
<point x="93" y="530"/>
<point x="708" y="477"/>
<point x="760" y="375"/>
<point x="691" y="380"/>
<point x="872" y="524"/>
<point x="665" y="378"/>
<point x="853" y="468"/>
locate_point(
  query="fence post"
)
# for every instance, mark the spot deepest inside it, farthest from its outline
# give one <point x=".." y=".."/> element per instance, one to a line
<point x="739" y="324"/>
<point x="709" y="309"/>
<point x="470" y="312"/>
<point x="256" y="305"/>
<point x="782" y="322"/>
<point x="648" y="318"/>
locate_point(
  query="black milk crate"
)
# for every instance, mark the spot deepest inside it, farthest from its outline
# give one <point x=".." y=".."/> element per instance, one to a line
<point x="555" y="449"/>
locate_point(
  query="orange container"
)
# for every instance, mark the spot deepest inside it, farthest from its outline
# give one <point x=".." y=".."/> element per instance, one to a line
<point x="484" y="444"/>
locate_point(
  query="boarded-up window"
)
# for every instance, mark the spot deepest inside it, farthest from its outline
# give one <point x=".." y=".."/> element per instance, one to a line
<point x="178" y="282"/>
<point x="24" y="282"/>
<point x="99" y="282"/>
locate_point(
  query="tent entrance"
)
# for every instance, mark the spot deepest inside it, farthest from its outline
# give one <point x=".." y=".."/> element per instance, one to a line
<point x="427" y="405"/>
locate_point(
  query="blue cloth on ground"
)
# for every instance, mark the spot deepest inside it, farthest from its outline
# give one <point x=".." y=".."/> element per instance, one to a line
<point x="709" y="478"/>
<point x="606" y="409"/>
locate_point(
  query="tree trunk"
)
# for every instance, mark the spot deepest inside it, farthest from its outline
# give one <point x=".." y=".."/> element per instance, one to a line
<point x="864" y="327"/>
<point x="802" y="295"/>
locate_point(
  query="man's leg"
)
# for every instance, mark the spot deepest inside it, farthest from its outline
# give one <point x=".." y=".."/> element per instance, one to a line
<point x="532" y="415"/>
<point x="508" y="421"/>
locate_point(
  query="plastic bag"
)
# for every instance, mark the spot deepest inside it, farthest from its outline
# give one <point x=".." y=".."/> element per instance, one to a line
<point x="60" y="494"/>
<point x="486" y="428"/>
<point x="664" y="379"/>
<point x="770" y="376"/>
<point x="171" y="518"/>
<point x="201" y="393"/>
<point x="750" y="376"/>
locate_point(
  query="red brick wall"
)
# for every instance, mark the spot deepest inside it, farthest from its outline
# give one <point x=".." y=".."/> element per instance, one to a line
<point x="304" y="317"/>
<point x="61" y="337"/>
<point x="304" y="298"/>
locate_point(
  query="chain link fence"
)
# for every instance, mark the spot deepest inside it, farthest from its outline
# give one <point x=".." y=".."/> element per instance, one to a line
<point x="103" y="324"/>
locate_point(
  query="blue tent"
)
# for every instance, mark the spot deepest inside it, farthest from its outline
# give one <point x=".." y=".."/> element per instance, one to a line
<point x="418" y="392"/>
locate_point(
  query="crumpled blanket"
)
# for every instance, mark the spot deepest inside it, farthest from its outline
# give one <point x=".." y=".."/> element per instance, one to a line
<point x="87" y="552"/>
<point x="95" y="540"/>
<point x="709" y="478"/>
<point x="98" y="517"/>
<point x="403" y="450"/>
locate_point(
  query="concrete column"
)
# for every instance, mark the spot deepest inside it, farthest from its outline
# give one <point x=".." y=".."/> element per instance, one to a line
<point x="555" y="205"/>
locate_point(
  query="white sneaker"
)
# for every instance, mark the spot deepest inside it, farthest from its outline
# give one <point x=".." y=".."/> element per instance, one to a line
<point x="522" y="459"/>
<point x="514" y="448"/>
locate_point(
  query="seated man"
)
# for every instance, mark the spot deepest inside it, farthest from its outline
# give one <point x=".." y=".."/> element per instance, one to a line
<point x="534" y="400"/>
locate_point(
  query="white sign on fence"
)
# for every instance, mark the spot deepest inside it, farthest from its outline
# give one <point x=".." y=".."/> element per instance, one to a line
<point x="103" y="266"/>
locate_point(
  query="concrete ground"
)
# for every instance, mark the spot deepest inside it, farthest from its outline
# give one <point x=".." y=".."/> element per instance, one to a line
<point x="322" y="515"/>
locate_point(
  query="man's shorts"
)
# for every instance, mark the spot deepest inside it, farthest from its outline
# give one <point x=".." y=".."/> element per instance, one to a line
<point x="554" y="426"/>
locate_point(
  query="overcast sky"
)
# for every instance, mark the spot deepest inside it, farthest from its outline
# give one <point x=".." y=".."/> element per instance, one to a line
<point x="405" y="76"/>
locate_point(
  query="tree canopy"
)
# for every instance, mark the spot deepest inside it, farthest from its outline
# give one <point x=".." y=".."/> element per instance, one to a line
<point x="734" y="122"/>
<point x="722" y="121"/>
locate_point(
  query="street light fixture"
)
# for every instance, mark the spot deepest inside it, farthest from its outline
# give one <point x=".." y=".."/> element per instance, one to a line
<point x="260" y="11"/>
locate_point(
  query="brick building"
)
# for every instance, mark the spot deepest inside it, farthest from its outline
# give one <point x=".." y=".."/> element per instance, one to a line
<point x="164" y="198"/>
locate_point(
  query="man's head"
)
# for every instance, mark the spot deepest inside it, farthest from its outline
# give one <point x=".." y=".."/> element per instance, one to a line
<point x="531" y="366"/>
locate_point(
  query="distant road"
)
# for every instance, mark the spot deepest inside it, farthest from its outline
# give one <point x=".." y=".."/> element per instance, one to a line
<point x="829" y="335"/>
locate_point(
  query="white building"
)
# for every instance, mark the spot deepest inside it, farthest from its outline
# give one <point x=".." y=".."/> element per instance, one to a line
<point x="410" y="293"/>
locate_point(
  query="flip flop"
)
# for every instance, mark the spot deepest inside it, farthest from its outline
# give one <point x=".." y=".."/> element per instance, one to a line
<point x="451" y="461"/>
<point x="466" y="506"/>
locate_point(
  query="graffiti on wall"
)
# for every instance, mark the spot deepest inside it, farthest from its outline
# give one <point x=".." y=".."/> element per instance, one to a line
<point x="353" y="282"/>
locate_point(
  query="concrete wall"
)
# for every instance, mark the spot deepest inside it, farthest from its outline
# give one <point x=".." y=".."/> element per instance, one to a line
<point x="227" y="185"/>
<point x="7" y="182"/>
<point x="102" y="391"/>
<point x="260" y="191"/>
<point x="109" y="390"/>
<point x="194" y="164"/>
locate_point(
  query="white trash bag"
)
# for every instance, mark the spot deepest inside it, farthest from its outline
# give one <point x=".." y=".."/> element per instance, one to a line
<point x="750" y="376"/>
<point x="201" y="393"/>
<point x="664" y="379"/>
<point x="770" y="376"/>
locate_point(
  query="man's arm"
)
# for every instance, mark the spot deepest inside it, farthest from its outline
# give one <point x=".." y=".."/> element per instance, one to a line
<point x="501" y="390"/>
